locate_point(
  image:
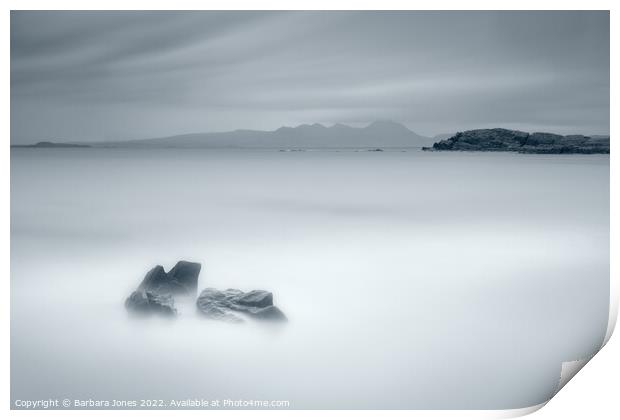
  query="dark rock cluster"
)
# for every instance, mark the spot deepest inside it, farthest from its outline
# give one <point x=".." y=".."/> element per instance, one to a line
<point x="502" y="140"/>
<point x="155" y="295"/>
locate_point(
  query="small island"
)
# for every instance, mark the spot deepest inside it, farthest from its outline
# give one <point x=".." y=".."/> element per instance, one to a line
<point x="50" y="145"/>
<point x="503" y="140"/>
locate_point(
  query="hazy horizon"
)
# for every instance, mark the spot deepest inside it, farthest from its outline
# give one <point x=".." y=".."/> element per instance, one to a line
<point x="323" y="125"/>
<point x="80" y="76"/>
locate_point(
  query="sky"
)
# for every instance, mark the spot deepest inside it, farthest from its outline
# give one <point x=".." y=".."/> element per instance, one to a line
<point x="109" y="76"/>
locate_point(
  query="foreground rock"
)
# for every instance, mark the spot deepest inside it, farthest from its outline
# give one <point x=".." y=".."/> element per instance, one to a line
<point x="232" y="305"/>
<point x="502" y="140"/>
<point x="155" y="295"/>
<point x="182" y="280"/>
<point x="146" y="303"/>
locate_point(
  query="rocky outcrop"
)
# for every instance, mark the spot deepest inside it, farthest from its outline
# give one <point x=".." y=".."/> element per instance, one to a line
<point x="181" y="280"/>
<point x="233" y="305"/>
<point x="147" y="303"/>
<point x="502" y="140"/>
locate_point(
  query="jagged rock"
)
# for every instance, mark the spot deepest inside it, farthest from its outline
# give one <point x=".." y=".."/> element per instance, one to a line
<point x="181" y="280"/>
<point x="146" y="303"/>
<point x="155" y="293"/>
<point x="227" y="305"/>
<point x="500" y="139"/>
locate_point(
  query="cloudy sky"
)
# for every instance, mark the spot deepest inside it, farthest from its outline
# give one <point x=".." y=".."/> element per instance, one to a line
<point x="94" y="76"/>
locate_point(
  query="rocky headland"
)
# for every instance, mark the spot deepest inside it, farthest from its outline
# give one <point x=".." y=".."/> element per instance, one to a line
<point x="503" y="140"/>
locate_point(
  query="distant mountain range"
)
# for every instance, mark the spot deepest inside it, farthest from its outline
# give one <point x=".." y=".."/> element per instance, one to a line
<point x="307" y="136"/>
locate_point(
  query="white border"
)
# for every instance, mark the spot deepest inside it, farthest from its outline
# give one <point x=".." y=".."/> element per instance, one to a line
<point x="607" y="408"/>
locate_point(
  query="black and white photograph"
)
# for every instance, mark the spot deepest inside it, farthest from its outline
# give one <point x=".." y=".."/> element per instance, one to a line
<point x="307" y="209"/>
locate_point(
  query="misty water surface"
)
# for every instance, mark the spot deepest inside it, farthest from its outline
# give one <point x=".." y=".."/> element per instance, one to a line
<point x="411" y="280"/>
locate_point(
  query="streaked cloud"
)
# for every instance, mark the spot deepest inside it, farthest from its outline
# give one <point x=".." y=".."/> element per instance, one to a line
<point x="120" y="75"/>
